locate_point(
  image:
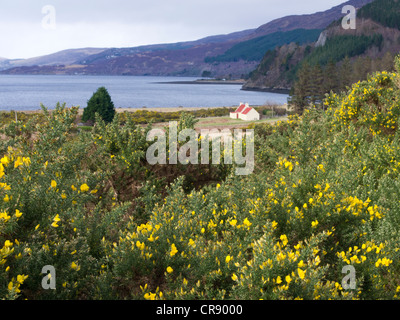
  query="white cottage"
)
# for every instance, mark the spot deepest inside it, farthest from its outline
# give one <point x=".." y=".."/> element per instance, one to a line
<point x="245" y="112"/>
<point x="249" y="114"/>
<point x="239" y="110"/>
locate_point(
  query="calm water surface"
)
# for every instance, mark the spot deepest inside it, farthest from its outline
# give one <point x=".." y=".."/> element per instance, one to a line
<point x="25" y="92"/>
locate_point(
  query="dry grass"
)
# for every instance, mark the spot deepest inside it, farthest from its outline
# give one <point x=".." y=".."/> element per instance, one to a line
<point x="220" y="123"/>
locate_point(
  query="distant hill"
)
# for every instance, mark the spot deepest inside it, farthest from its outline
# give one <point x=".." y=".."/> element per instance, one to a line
<point x="65" y="57"/>
<point x="318" y="20"/>
<point x="375" y="41"/>
<point x="254" y="49"/>
<point x="385" y="12"/>
<point x="217" y="56"/>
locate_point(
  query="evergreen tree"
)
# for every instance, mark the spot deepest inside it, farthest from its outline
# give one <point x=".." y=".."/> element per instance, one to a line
<point x="331" y="77"/>
<point x="100" y="103"/>
<point x="396" y="67"/>
<point x="301" y="95"/>
<point x="358" y="70"/>
<point x="317" y="84"/>
<point x="345" y="74"/>
<point x="387" y="62"/>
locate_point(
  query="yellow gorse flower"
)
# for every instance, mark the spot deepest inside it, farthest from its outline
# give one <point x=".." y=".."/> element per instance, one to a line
<point x="75" y="266"/>
<point x="84" y="187"/>
<point x="4" y="216"/>
<point x="173" y="251"/>
<point x="247" y="223"/>
<point x="18" y="162"/>
<point x="56" y="219"/>
<point x="5" y="161"/>
<point x="18" y="213"/>
<point x="301" y="273"/>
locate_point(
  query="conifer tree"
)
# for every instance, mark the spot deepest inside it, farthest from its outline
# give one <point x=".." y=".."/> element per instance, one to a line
<point x="317" y="88"/>
<point x="300" y="97"/>
<point x="387" y="62"/>
<point x="345" y="74"/>
<point x="331" y="78"/>
<point x="100" y="103"/>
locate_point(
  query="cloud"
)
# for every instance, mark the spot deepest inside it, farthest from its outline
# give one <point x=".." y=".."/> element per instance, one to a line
<point x="122" y="23"/>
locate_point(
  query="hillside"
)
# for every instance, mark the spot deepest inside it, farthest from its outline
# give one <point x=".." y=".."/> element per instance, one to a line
<point x="254" y="49"/>
<point x="385" y="12"/>
<point x="186" y="58"/>
<point x="65" y="57"/>
<point x="275" y="72"/>
<point x="318" y="20"/>
<point x="370" y="44"/>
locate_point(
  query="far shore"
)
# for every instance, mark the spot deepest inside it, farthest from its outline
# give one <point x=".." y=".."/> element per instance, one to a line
<point x="154" y="109"/>
<point x="206" y="81"/>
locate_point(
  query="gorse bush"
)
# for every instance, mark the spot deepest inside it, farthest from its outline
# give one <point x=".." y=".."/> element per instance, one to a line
<point x="324" y="195"/>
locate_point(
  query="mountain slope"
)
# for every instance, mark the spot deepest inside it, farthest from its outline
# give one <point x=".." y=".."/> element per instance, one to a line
<point x="65" y="57"/>
<point x="368" y="47"/>
<point x="254" y="49"/>
<point x="318" y="20"/>
<point x="184" y="58"/>
<point x="385" y="12"/>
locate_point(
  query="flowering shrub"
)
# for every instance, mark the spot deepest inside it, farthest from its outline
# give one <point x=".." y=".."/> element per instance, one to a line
<point x="324" y="195"/>
<point x="372" y="103"/>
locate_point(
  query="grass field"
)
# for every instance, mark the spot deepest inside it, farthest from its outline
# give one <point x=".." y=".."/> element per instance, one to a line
<point x="225" y="123"/>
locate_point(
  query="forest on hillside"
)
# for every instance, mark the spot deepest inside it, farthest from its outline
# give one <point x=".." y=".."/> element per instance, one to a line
<point x="314" y="81"/>
<point x="340" y="57"/>
<point x="385" y="12"/>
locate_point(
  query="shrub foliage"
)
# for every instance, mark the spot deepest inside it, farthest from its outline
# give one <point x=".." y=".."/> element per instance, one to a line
<point x="324" y="195"/>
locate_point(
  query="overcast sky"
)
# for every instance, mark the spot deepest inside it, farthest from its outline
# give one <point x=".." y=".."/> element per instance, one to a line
<point x="28" y="31"/>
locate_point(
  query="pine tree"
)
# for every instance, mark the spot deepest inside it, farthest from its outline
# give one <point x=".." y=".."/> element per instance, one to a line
<point x="317" y="84"/>
<point x="396" y="66"/>
<point x="331" y="78"/>
<point x="301" y="96"/>
<point x="100" y="103"/>
<point x="345" y="74"/>
<point x="387" y="62"/>
<point x="361" y="69"/>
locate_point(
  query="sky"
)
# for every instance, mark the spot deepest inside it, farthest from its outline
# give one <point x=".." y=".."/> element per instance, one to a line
<point x="30" y="28"/>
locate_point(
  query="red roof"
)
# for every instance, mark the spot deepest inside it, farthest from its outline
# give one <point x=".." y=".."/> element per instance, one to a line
<point x="247" y="110"/>
<point x="240" y="109"/>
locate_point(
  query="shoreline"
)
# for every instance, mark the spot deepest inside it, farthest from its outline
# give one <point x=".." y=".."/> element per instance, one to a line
<point x="227" y="82"/>
<point x="121" y="110"/>
<point x="150" y="109"/>
<point x="270" y="90"/>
